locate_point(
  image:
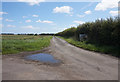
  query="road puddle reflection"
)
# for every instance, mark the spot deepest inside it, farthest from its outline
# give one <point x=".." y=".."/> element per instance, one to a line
<point x="43" y="57"/>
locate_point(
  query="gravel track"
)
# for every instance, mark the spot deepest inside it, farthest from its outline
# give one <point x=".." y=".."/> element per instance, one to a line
<point x="77" y="64"/>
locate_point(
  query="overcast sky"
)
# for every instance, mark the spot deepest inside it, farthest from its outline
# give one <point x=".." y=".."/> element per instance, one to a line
<point x="52" y="17"/>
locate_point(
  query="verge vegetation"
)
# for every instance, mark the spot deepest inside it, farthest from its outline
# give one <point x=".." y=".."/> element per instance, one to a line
<point x="113" y="50"/>
<point x="102" y="36"/>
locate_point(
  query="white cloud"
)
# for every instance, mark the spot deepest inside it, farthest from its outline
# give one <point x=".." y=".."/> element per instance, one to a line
<point x="1" y="13"/>
<point x="45" y="21"/>
<point x="11" y="26"/>
<point x="1" y="18"/>
<point x="79" y="22"/>
<point x="73" y="25"/>
<point x="88" y="12"/>
<point x="64" y="28"/>
<point x="28" y="21"/>
<point x="35" y="15"/>
<point x="39" y="21"/>
<point x="81" y="16"/>
<point x="105" y="4"/>
<point x="9" y="20"/>
<point x="63" y="9"/>
<point x="99" y="18"/>
<point x="24" y="17"/>
<point x="32" y="2"/>
<point x="29" y="27"/>
<point x="114" y="13"/>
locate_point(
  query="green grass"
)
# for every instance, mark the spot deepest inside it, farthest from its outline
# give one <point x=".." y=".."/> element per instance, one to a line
<point x="12" y="44"/>
<point x="113" y="50"/>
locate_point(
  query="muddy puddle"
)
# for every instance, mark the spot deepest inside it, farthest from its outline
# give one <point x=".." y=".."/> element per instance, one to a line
<point x="43" y="57"/>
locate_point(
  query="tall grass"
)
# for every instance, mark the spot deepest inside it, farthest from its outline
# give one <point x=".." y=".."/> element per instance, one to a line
<point x="19" y="43"/>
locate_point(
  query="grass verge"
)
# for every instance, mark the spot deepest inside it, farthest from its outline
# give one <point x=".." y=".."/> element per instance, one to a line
<point x="112" y="50"/>
<point x="12" y="44"/>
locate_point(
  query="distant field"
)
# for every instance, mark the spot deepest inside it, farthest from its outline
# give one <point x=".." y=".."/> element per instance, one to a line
<point x="19" y="43"/>
<point x="113" y="50"/>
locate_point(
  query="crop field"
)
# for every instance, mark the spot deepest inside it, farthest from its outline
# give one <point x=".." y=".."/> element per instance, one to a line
<point x="12" y="44"/>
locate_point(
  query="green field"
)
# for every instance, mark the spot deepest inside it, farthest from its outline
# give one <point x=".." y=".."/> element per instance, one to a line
<point x="112" y="50"/>
<point x="12" y="44"/>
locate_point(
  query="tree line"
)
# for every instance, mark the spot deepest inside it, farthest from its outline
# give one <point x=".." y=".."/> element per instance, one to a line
<point x="28" y="34"/>
<point x="106" y="32"/>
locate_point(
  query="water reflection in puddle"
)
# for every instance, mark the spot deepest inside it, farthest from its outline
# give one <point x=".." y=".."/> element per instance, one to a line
<point x="42" y="57"/>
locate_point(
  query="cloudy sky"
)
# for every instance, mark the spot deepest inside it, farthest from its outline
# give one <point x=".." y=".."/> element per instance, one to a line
<point x="38" y="16"/>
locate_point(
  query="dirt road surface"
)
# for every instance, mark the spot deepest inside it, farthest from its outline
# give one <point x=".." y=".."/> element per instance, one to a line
<point x="77" y="64"/>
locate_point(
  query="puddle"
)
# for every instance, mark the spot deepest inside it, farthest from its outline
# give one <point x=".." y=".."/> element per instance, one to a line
<point x="42" y="57"/>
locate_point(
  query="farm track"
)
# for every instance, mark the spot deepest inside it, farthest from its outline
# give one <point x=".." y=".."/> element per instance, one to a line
<point x="77" y="64"/>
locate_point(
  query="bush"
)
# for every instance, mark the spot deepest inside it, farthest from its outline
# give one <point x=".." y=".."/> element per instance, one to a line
<point x="68" y="32"/>
<point x="106" y="32"/>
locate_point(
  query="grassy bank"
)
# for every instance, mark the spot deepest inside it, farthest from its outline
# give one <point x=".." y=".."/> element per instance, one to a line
<point x="113" y="50"/>
<point x="19" y="43"/>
